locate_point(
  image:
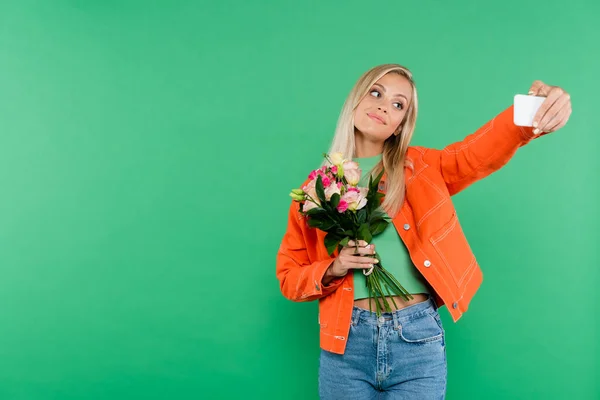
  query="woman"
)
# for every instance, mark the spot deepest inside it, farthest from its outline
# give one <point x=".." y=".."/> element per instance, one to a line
<point x="403" y="351"/>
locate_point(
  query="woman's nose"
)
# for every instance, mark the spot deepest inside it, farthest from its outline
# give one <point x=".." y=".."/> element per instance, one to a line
<point x="383" y="109"/>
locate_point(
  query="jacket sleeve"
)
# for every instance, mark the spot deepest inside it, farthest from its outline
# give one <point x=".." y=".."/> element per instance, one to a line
<point x="481" y="153"/>
<point x="299" y="278"/>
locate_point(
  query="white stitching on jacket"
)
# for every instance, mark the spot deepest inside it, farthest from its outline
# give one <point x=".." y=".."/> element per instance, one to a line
<point x="428" y="213"/>
<point x="446" y="232"/>
<point x="425" y="256"/>
<point x="473" y="140"/>
<point x="426" y="179"/>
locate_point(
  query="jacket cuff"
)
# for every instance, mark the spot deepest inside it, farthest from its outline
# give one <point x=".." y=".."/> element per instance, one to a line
<point x="526" y="132"/>
<point x="319" y="272"/>
<point x="318" y="290"/>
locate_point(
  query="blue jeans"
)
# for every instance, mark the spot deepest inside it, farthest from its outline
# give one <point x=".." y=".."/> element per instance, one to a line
<point x="400" y="355"/>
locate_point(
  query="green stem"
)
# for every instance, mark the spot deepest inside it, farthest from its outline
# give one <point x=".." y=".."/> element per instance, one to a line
<point x="393" y="282"/>
<point x="377" y="285"/>
<point x="387" y="288"/>
<point x="313" y="200"/>
<point x="373" y="294"/>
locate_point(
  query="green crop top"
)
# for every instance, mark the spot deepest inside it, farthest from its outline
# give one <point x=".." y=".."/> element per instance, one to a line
<point x="391" y="249"/>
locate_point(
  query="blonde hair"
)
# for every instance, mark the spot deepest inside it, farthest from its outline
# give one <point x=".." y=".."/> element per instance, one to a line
<point x="394" y="148"/>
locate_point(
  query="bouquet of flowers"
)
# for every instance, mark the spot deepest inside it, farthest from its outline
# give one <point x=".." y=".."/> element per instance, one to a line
<point x="333" y="202"/>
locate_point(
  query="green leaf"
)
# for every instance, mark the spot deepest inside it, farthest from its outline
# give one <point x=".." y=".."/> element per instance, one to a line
<point x="316" y="210"/>
<point x="362" y="215"/>
<point x="377" y="216"/>
<point x="344" y="241"/>
<point x="375" y="202"/>
<point x="364" y="233"/>
<point x="343" y="232"/>
<point x="327" y="225"/>
<point x="331" y="242"/>
<point x="371" y="207"/>
<point x="378" y="227"/>
<point x="314" y="222"/>
<point x="377" y="213"/>
<point x="320" y="191"/>
<point x="335" y="200"/>
<point x="378" y="178"/>
<point x="373" y="223"/>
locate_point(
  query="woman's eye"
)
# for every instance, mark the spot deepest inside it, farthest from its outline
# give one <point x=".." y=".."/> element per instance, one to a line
<point x="399" y="106"/>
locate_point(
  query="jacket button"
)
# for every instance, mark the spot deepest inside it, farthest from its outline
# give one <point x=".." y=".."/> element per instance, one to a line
<point x="406" y="227"/>
<point x="427" y="263"/>
<point x="455" y="305"/>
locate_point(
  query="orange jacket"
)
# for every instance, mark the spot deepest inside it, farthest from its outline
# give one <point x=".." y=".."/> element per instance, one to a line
<point x="427" y="224"/>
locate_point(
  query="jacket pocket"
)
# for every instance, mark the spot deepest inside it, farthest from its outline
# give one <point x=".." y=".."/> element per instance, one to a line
<point x="453" y="249"/>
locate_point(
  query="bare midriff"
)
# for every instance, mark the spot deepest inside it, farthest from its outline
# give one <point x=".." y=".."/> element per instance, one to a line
<point x="399" y="300"/>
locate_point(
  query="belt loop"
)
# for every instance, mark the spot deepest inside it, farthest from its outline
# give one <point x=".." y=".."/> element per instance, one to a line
<point x="356" y="314"/>
<point x="396" y="319"/>
<point x="432" y="299"/>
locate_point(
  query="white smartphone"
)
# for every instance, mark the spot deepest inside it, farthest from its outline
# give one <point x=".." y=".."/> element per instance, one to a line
<point x="525" y="109"/>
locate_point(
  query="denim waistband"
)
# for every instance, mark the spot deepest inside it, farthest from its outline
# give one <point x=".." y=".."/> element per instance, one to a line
<point x="413" y="311"/>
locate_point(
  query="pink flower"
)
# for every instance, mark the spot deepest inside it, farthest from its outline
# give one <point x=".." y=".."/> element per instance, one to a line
<point x="342" y="206"/>
<point x="334" y="187"/>
<point x="355" y="199"/>
<point x="334" y="170"/>
<point x="350" y="165"/>
<point x="310" y="190"/>
<point x="352" y="172"/>
<point x="309" y="205"/>
<point x="326" y="177"/>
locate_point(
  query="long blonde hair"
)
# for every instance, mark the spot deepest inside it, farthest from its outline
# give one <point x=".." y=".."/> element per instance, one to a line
<point x="394" y="148"/>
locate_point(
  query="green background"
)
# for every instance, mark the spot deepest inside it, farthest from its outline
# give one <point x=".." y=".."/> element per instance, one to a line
<point x="147" y="150"/>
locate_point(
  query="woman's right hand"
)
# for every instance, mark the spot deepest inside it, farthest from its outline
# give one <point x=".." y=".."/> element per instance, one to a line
<point x="348" y="259"/>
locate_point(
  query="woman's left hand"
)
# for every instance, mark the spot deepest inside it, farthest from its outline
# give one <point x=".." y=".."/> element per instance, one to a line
<point x="555" y="111"/>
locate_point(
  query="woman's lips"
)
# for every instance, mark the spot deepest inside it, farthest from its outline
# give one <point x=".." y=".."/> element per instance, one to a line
<point x="376" y="118"/>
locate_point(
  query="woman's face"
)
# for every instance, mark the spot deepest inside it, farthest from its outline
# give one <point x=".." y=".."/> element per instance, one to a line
<point x="383" y="108"/>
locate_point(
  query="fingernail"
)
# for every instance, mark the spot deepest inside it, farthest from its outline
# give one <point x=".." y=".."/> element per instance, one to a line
<point x="376" y="261"/>
<point x="530" y="93"/>
<point x="536" y="131"/>
<point x="535" y="124"/>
